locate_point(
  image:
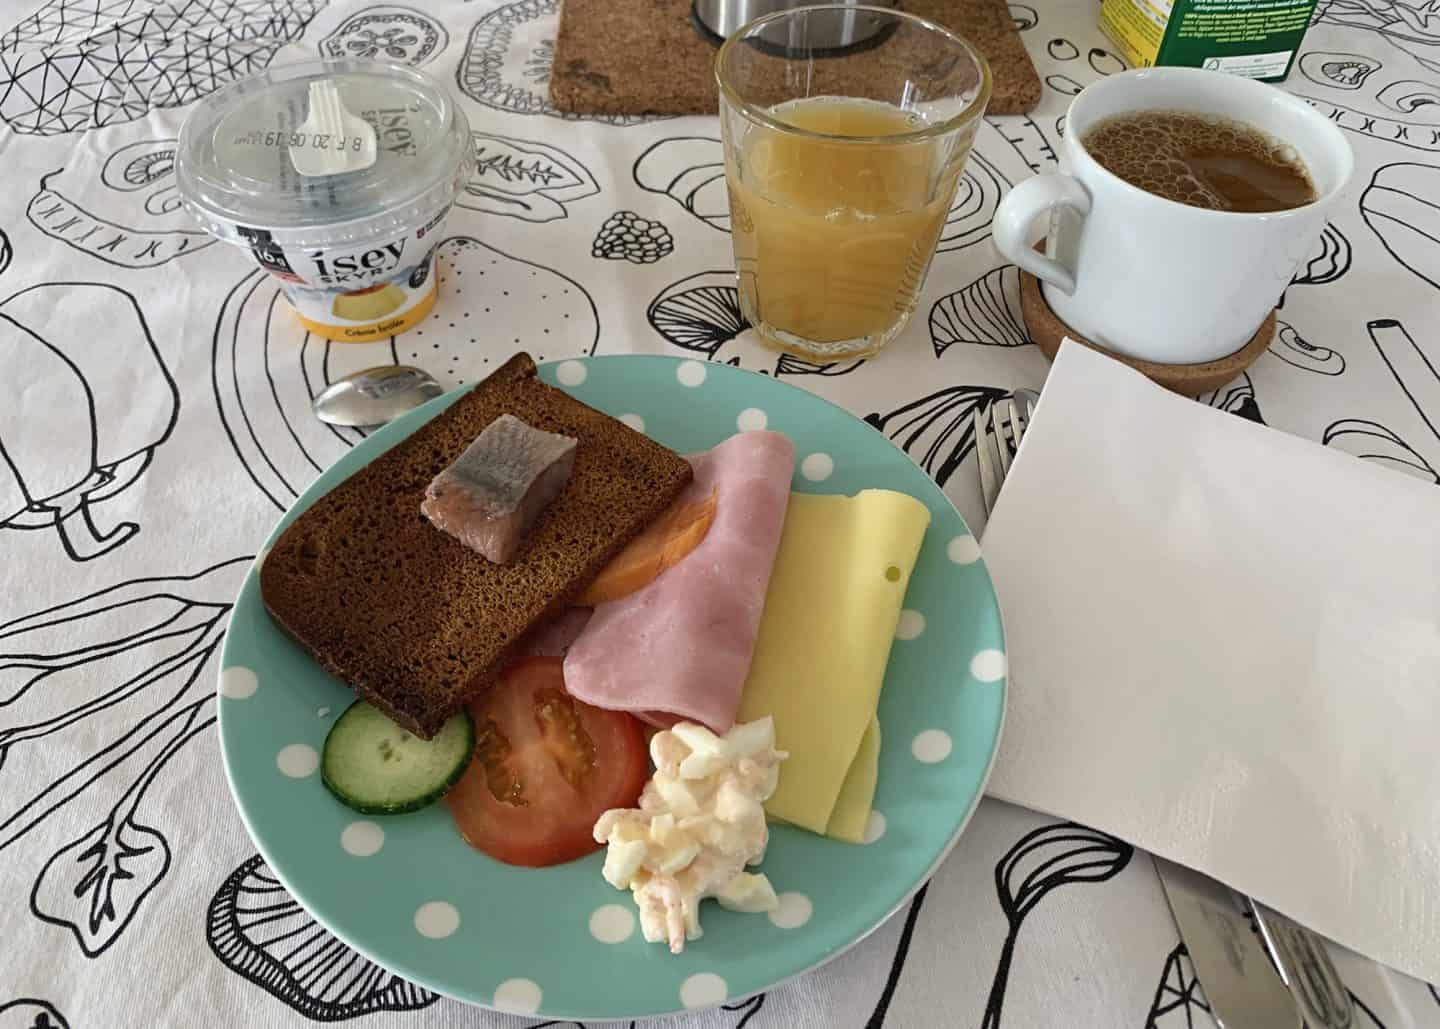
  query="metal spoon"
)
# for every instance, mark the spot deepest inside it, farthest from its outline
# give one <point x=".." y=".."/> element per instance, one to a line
<point x="375" y="396"/>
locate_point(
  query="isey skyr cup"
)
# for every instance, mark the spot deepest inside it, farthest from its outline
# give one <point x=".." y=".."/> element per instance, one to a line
<point x="336" y="176"/>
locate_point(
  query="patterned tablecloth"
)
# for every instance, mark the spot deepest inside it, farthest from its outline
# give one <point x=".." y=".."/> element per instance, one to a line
<point x="155" y="423"/>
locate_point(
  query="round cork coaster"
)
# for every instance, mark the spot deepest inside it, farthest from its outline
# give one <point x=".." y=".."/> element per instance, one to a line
<point x="1191" y="380"/>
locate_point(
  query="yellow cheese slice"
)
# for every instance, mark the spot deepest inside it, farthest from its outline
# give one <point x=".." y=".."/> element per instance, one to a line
<point x="857" y="795"/>
<point x="852" y="807"/>
<point x="833" y="602"/>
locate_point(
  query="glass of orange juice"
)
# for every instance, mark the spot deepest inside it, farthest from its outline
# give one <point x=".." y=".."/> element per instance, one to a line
<point x="846" y="130"/>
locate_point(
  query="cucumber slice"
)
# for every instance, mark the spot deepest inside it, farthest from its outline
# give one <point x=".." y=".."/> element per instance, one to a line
<point x="377" y="768"/>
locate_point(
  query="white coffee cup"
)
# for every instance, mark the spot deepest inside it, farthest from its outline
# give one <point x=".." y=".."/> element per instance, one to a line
<point x="1153" y="278"/>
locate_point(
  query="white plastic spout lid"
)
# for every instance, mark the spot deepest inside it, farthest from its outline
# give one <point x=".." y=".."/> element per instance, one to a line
<point x="261" y="153"/>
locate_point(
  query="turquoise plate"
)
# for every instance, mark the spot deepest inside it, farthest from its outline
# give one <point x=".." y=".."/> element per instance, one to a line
<point x="553" y="941"/>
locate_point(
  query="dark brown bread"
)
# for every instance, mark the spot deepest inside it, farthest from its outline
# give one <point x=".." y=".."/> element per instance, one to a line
<point x="417" y="623"/>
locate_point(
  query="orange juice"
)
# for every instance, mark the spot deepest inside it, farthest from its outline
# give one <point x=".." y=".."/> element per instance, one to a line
<point x="833" y="236"/>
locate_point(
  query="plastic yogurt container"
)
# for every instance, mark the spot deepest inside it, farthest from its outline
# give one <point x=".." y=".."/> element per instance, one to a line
<point x="336" y="175"/>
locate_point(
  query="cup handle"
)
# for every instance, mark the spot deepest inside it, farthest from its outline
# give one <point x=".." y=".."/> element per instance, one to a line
<point x="1017" y="212"/>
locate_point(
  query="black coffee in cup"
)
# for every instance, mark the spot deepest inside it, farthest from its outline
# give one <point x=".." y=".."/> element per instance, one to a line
<point x="1202" y="161"/>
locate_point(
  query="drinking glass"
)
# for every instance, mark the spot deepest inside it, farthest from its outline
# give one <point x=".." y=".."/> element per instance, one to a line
<point x="846" y="129"/>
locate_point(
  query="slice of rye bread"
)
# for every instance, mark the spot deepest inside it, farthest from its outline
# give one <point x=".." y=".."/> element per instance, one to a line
<point x="412" y="620"/>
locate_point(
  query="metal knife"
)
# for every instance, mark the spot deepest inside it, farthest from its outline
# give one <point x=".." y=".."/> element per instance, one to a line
<point x="1242" y="986"/>
<point x="1305" y="965"/>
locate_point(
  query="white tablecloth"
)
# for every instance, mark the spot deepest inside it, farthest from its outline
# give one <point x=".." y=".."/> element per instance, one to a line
<point x="154" y="424"/>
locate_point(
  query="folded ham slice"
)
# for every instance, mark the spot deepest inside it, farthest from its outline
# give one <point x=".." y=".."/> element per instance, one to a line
<point x="679" y="648"/>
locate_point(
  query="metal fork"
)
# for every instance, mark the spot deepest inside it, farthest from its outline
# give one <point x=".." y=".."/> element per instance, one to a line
<point x="995" y="447"/>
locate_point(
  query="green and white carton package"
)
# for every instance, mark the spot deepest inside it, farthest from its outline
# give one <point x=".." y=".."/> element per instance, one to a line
<point x="1255" y="38"/>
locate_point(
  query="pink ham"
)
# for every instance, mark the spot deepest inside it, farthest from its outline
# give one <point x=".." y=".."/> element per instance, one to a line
<point x="680" y="648"/>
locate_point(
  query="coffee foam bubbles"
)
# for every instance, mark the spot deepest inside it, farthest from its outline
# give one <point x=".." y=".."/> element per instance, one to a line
<point x="1149" y="149"/>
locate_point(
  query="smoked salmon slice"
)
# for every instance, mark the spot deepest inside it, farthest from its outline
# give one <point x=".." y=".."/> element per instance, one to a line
<point x="663" y="544"/>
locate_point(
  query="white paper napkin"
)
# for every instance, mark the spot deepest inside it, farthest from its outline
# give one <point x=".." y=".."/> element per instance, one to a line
<point x="1225" y="646"/>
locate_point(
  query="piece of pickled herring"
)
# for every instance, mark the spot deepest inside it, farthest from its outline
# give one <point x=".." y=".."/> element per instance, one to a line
<point x="494" y="491"/>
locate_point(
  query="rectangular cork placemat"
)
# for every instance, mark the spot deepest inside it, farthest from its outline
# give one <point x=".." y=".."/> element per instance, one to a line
<point x="618" y="57"/>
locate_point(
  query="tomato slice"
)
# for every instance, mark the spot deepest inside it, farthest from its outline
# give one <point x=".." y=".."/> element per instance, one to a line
<point x="546" y="766"/>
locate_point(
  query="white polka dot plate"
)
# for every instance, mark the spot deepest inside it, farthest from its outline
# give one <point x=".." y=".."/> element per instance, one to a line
<point x="407" y="891"/>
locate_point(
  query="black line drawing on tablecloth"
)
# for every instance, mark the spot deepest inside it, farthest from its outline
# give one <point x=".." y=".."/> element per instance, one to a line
<point x="388" y="32"/>
<point x="747" y="1009"/>
<point x="1413" y="369"/>
<point x="701" y="313"/>
<point x="507" y="62"/>
<point x="625" y="236"/>
<point x="1330" y="263"/>
<point x="1028" y="140"/>
<point x="1049" y="857"/>
<point x="267" y="368"/>
<point x="1374" y="442"/>
<point x="691" y="171"/>
<point x="1043" y="860"/>
<point x="1023" y="17"/>
<point x="1061" y="49"/>
<point x="30" y="1013"/>
<point x="1416" y="132"/>
<point x="1179" y="1000"/>
<point x="1238" y="398"/>
<point x="1410" y="96"/>
<point x="137" y="640"/>
<point x="1419" y="379"/>
<point x="95" y="884"/>
<point x="1411" y="25"/>
<point x="52" y="477"/>
<point x="987" y="311"/>
<point x="1434" y="993"/>
<point x="938" y="430"/>
<point x="1343" y="71"/>
<point x="1063" y="84"/>
<point x="525" y="179"/>
<point x="259" y="932"/>
<point x="126" y="211"/>
<point x="1292" y="348"/>
<point x="1103" y="62"/>
<point x="141" y="646"/>
<point x="5" y="252"/>
<point x="1402" y="207"/>
<point x="976" y="198"/>
<point x="897" y="963"/>
<point x="81" y="64"/>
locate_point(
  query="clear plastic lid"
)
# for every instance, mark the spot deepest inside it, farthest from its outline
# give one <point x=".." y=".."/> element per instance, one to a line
<point x="234" y="166"/>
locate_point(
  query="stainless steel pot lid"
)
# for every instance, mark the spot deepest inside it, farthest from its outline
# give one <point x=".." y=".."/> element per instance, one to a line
<point x="719" y="19"/>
